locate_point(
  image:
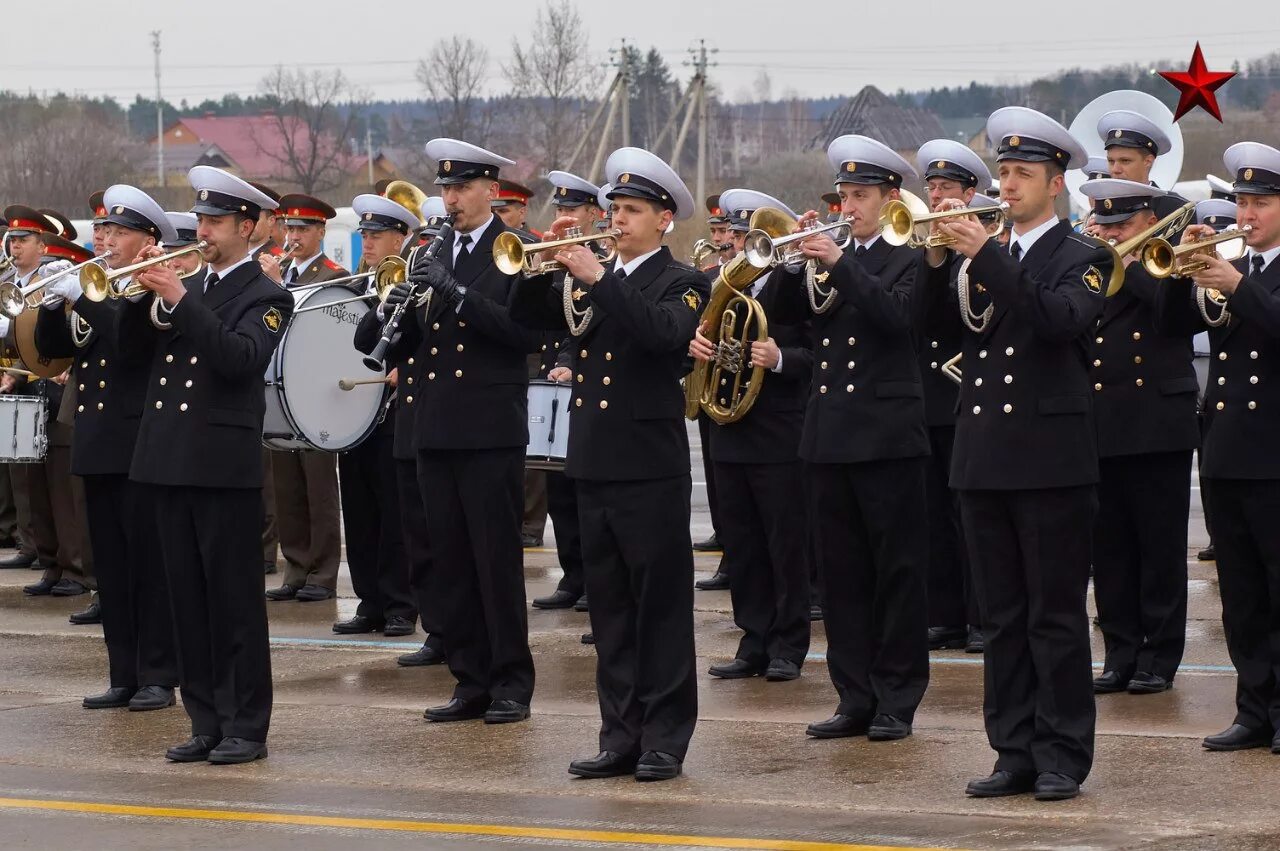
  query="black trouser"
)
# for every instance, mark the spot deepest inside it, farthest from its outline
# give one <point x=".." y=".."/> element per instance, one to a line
<point x="708" y="475"/>
<point x="1204" y="503"/>
<point x="1140" y="561"/>
<point x="474" y="499"/>
<point x="1247" y="538"/>
<point x="562" y="505"/>
<point x="211" y="539"/>
<point x="873" y="549"/>
<point x="952" y="602"/>
<point x="764" y="532"/>
<point x="136" y="620"/>
<point x="1030" y="553"/>
<point x="639" y="569"/>
<point x="413" y="529"/>
<point x="371" y="520"/>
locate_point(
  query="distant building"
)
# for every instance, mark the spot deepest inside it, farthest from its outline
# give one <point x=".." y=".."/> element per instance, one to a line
<point x="871" y="113"/>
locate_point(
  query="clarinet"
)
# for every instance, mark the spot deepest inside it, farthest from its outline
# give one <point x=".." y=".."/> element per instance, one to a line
<point x="375" y="359"/>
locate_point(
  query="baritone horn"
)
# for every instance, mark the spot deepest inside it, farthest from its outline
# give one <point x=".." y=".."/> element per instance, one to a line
<point x="903" y="223"/>
<point x="511" y="255"/>
<point x="1162" y="259"/>
<point x="98" y="283"/>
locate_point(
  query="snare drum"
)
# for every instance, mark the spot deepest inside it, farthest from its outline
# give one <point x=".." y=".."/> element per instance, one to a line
<point x="305" y="407"/>
<point x="22" y="437"/>
<point x="548" y="425"/>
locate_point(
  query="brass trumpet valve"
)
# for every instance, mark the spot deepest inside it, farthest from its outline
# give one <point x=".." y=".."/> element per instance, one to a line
<point x="729" y="355"/>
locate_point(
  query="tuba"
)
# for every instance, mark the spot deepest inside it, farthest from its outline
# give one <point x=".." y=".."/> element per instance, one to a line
<point x="733" y="322"/>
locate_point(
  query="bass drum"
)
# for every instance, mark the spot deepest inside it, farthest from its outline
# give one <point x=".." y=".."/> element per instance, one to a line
<point x="305" y="407"/>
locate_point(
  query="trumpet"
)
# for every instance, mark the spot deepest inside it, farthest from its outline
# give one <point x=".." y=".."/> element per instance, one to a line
<point x="1163" y="229"/>
<point x="511" y="255"/>
<point x="902" y="224"/>
<point x="702" y="251"/>
<point x="764" y="251"/>
<point x="97" y="282"/>
<point x="1162" y="259"/>
<point x="13" y="301"/>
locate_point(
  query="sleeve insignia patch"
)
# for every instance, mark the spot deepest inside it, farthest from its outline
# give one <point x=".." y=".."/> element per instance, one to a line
<point x="692" y="299"/>
<point x="1093" y="279"/>
<point x="272" y="320"/>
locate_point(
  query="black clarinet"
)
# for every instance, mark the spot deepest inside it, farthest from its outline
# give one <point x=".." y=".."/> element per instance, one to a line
<point x="374" y="360"/>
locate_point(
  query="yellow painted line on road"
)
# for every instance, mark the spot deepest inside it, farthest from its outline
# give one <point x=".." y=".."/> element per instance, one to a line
<point x="459" y="829"/>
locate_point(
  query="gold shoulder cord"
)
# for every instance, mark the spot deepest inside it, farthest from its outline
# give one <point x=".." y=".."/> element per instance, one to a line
<point x="813" y="281"/>
<point x="977" y="323"/>
<point x="81" y="331"/>
<point x="577" y="320"/>
<point x="1203" y="298"/>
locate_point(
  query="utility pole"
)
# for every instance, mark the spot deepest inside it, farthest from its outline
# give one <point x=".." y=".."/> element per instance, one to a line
<point x="368" y="147"/>
<point x="623" y="64"/>
<point x="155" y="46"/>
<point x="700" y="66"/>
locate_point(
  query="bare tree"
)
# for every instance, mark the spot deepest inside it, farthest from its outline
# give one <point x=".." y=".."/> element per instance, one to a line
<point x="57" y="152"/>
<point x="310" y="137"/>
<point x="453" y="75"/>
<point x="553" y="75"/>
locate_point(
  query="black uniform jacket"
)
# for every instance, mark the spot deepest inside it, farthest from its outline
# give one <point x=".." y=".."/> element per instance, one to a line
<point x="770" y="431"/>
<point x="1144" y="387"/>
<point x="400" y="356"/>
<point x="940" y="337"/>
<point x="1026" y="414"/>
<point x="202" y="418"/>
<point x="627" y="415"/>
<point x="111" y="388"/>
<point x="866" y="402"/>
<point x="1242" y="401"/>
<point x="471" y="372"/>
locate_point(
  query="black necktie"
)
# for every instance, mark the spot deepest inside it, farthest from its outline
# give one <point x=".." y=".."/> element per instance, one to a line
<point x="859" y="251"/>
<point x="211" y="281"/>
<point x="1258" y="263"/>
<point x="621" y="274"/>
<point x="464" y="243"/>
<point x="1016" y="250"/>
<point x="293" y="275"/>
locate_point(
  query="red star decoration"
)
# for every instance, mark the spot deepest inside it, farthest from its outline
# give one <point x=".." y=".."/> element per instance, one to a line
<point x="1197" y="85"/>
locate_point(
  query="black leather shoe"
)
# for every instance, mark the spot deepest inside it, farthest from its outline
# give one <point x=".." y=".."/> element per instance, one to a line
<point x="43" y="588"/>
<point x="815" y="613"/>
<point x="313" y="594"/>
<point x="710" y="545"/>
<point x="1237" y="737"/>
<point x="233" y="751"/>
<point x="603" y="764"/>
<point x="112" y="698"/>
<point x="656" y="765"/>
<point x="738" y="669"/>
<point x="530" y="541"/>
<point x="718" y="581"/>
<point x="1109" y="683"/>
<point x="588" y="638"/>
<point x="581" y="604"/>
<point x="837" y="727"/>
<point x="458" y="709"/>
<point x="1051" y="786"/>
<point x="557" y="599"/>
<point x="18" y="560"/>
<point x="68" y="588"/>
<point x="781" y="670"/>
<point x="1001" y="784"/>
<point x="195" y="749"/>
<point x="284" y="592"/>
<point x="1144" y="683"/>
<point x="976" y="642"/>
<point x="1275" y="744"/>
<point x="886" y="728"/>
<point x="425" y="655"/>
<point x="506" y="712"/>
<point x="91" y="615"/>
<point x="1207" y="554"/>
<point x="148" y="698"/>
<point x="398" y="625"/>
<point x="947" y="637"/>
<point x="357" y="625"/>
<point x="269" y="568"/>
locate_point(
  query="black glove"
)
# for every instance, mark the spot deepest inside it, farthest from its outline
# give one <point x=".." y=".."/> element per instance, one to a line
<point x="441" y="280"/>
<point x="399" y="295"/>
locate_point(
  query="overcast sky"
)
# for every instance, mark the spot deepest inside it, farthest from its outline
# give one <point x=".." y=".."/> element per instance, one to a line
<point x="809" y="47"/>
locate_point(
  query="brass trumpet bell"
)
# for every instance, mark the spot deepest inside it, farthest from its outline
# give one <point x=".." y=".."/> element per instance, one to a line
<point x="513" y="256"/>
<point x="98" y="283"/>
<point x="1162" y="259"/>
<point x="904" y="223"/>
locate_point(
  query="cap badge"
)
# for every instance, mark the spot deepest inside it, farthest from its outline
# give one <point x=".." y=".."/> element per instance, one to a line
<point x="1213" y="219"/>
<point x="626" y="178"/>
<point x="1015" y="141"/>
<point x="448" y="166"/>
<point x="1248" y="174"/>
<point x="119" y="210"/>
<point x="1117" y="134"/>
<point x="942" y="163"/>
<point x="1107" y="203"/>
<point x="204" y="194"/>
<point x="564" y="191"/>
<point x="851" y="166"/>
<point x="368" y="217"/>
